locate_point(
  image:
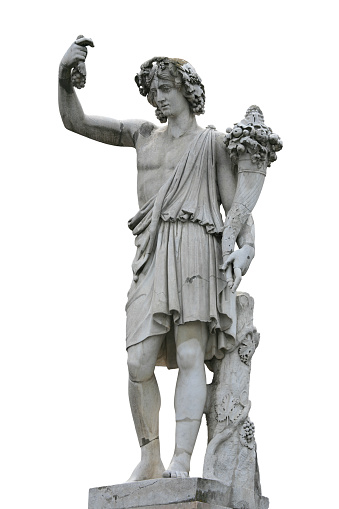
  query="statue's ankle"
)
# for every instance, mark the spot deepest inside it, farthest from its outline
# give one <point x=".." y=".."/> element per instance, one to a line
<point x="150" y="449"/>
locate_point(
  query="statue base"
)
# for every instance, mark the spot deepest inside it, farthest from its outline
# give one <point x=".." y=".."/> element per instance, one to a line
<point x="188" y="493"/>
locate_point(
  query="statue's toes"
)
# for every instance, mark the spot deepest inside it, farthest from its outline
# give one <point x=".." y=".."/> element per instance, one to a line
<point x="182" y="475"/>
<point x="175" y="474"/>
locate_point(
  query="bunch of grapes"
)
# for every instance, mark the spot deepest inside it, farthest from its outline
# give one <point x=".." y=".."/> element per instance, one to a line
<point x="248" y="429"/>
<point x="198" y="106"/>
<point x="78" y="78"/>
<point x="245" y="357"/>
<point x="78" y="75"/>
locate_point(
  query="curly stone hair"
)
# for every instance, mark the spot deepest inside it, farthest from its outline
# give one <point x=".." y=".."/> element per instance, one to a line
<point x="185" y="77"/>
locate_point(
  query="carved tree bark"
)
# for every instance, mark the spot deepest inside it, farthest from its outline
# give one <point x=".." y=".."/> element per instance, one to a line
<point x="231" y="455"/>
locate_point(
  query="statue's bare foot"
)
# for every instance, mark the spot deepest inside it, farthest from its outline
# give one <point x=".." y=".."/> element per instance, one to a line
<point x="179" y="466"/>
<point x="152" y="469"/>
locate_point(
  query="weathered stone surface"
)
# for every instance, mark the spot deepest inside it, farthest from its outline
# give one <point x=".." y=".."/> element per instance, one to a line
<point x="182" y="308"/>
<point x="231" y="455"/>
<point x="186" y="505"/>
<point x="183" y="493"/>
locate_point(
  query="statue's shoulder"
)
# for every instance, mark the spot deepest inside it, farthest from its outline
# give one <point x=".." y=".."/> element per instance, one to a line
<point x="220" y="139"/>
<point x="222" y="156"/>
<point x="218" y="136"/>
<point x="145" y="133"/>
<point x="146" y="129"/>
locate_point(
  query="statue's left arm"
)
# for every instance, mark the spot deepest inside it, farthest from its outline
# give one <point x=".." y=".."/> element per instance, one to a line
<point x="251" y="146"/>
<point x="227" y="184"/>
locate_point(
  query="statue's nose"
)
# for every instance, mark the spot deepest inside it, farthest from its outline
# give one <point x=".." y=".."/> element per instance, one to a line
<point x="160" y="96"/>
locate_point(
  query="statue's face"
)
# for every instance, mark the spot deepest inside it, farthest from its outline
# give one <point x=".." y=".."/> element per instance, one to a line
<point x="169" y="99"/>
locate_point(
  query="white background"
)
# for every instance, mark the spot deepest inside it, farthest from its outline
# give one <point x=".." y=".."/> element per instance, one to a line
<point x="66" y="250"/>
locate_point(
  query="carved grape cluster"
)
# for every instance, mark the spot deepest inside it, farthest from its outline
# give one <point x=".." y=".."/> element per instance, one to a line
<point x="249" y="429"/>
<point x="247" y="434"/>
<point x="252" y="136"/>
<point x="78" y="77"/>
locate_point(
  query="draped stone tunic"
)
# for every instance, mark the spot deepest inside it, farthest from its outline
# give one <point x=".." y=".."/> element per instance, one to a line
<point x="176" y="268"/>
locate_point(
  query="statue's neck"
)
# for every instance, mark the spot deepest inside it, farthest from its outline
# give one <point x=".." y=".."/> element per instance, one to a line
<point x="180" y="125"/>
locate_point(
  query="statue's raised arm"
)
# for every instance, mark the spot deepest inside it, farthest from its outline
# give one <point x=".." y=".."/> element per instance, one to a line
<point x="72" y="73"/>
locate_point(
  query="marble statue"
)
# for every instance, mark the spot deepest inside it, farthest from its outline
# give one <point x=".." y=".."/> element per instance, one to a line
<point x="182" y="304"/>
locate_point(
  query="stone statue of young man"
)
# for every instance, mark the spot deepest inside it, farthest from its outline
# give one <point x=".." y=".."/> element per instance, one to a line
<point x="181" y="305"/>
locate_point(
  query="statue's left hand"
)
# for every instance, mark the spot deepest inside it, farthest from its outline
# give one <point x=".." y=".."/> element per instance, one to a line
<point x="236" y="265"/>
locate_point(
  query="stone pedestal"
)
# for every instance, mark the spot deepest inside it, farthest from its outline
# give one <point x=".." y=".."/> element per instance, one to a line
<point x="188" y="493"/>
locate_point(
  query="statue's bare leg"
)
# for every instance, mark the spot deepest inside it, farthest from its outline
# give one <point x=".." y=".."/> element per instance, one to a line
<point x="190" y="394"/>
<point x="144" y="399"/>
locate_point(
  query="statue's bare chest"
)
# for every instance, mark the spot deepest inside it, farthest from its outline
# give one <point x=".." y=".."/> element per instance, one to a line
<point x="157" y="158"/>
<point x="159" y="152"/>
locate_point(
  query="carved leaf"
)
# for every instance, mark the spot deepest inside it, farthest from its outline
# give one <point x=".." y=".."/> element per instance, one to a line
<point x="225" y="408"/>
<point x="228" y="410"/>
<point x="247" y="349"/>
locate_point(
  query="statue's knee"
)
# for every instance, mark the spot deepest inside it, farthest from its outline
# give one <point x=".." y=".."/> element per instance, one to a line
<point x="138" y="371"/>
<point x="189" y="356"/>
<point x="134" y="369"/>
